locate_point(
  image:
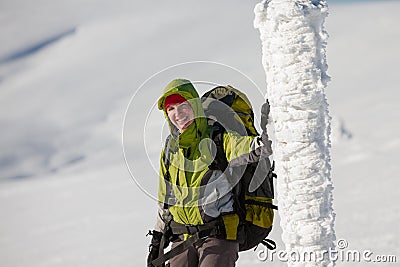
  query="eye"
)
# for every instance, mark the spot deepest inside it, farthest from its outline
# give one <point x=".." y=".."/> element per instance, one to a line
<point x="170" y="108"/>
<point x="184" y="105"/>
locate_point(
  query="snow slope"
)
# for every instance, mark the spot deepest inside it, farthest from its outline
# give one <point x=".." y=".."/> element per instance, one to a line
<point x="66" y="195"/>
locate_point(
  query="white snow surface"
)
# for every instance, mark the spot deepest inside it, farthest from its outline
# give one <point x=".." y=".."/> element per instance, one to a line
<point x="294" y="58"/>
<point x="68" y="70"/>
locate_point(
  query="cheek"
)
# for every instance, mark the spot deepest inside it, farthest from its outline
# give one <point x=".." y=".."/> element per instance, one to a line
<point x="170" y="116"/>
<point x="191" y="114"/>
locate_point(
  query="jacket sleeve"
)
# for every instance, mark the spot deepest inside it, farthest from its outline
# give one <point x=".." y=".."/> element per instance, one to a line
<point x="160" y="224"/>
<point x="242" y="150"/>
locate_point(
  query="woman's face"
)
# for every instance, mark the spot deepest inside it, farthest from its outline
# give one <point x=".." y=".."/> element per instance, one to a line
<point x="181" y="115"/>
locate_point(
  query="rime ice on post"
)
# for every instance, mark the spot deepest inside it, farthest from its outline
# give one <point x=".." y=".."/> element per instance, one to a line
<point x="293" y="42"/>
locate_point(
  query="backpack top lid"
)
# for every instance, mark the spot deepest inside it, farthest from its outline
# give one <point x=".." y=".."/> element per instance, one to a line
<point x="224" y="102"/>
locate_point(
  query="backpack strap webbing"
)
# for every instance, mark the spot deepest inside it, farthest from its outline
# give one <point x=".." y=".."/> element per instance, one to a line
<point x="270" y="244"/>
<point x="177" y="250"/>
<point x="263" y="204"/>
<point x="197" y="232"/>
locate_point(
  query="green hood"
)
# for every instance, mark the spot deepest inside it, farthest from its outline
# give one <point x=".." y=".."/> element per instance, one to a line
<point x="185" y="88"/>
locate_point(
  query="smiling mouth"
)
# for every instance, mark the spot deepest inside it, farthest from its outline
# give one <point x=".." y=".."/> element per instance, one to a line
<point x="181" y="121"/>
<point x="184" y="123"/>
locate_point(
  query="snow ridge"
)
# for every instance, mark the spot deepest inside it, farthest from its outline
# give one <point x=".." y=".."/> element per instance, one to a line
<point x="294" y="45"/>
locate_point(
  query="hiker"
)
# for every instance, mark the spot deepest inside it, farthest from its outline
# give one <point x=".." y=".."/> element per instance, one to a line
<point x="196" y="202"/>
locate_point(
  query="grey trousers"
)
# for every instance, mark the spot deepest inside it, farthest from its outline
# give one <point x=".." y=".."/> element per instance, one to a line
<point x="208" y="253"/>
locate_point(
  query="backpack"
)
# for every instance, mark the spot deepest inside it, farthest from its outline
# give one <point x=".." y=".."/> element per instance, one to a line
<point x="227" y="108"/>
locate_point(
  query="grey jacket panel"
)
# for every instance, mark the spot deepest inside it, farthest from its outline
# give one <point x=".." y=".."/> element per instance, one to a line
<point x="217" y="197"/>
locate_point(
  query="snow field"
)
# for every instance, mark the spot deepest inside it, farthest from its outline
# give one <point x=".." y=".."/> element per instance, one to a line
<point x="69" y="99"/>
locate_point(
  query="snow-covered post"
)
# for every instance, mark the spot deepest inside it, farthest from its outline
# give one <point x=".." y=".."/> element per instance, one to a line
<point x="293" y="43"/>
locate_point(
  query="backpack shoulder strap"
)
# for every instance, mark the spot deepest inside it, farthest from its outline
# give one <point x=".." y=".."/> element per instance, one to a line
<point x="167" y="176"/>
<point x="217" y="136"/>
<point x="167" y="152"/>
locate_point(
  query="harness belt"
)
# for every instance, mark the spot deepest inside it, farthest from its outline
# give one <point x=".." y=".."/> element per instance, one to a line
<point x="179" y="229"/>
<point x="197" y="232"/>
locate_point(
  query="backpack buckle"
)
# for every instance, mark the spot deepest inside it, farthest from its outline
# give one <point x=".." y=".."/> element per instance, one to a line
<point x="192" y="229"/>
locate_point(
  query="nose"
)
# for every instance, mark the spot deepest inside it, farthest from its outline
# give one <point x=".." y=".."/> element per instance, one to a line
<point x="179" y="112"/>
